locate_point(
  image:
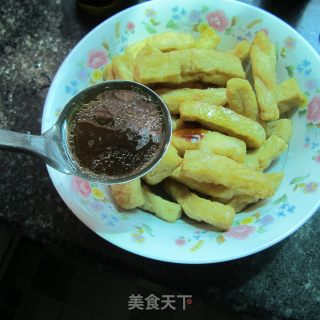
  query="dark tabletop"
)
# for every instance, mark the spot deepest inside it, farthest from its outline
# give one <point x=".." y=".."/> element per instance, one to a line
<point x="35" y="37"/>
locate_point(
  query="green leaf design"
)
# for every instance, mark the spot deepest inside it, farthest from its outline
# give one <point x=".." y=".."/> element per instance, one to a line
<point x="154" y="22"/>
<point x="253" y="23"/>
<point x="149" y="27"/>
<point x="204" y="9"/>
<point x="318" y="90"/>
<point x="197" y="246"/>
<point x="220" y="239"/>
<point x="172" y="25"/>
<point x="310" y="125"/>
<point x="283" y="198"/>
<point x="295" y="187"/>
<point x="306" y="93"/>
<point x="299" y="179"/>
<point x="147" y="229"/>
<point x="117" y="29"/>
<point x="256" y="215"/>
<point x="276" y="49"/>
<point x="290" y="70"/>
<point x="302" y="113"/>
<point x="261" y="229"/>
<point x="228" y="31"/>
<point x="234" y="21"/>
<point x="283" y="52"/>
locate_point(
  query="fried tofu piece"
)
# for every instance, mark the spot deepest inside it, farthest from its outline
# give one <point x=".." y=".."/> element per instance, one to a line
<point x="223" y="145"/>
<point x="271" y="149"/>
<point x="162" y="208"/>
<point x="241" y="50"/>
<point x="214" y="213"/>
<point x="263" y="59"/>
<point x="169" y="41"/>
<point x="187" y="139"/>
<point x="167" y="164"/>
<point x="242" y="99"/>
<point x="289" y="95"/>
<point x="122" y="67"/>
<point x="209" y="168"/>
<point x="188" y="65"/>
<point x="210" y="189"/>
<point x="174" y="98"/>
<point x="239" y="202"/>
<point x="108" y="72"/>
<point x="224" y="120"/>
<point x="281" y="128"/>
<point x="134" y="49"/>
<point x="208" y="39"/>
<point x="128" y="195"/>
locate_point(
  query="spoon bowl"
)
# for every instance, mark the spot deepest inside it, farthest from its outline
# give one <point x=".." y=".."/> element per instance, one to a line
<point x="54" y="147"/>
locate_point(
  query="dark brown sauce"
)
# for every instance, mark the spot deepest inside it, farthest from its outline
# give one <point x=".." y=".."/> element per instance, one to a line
<point x="116" y="135"/>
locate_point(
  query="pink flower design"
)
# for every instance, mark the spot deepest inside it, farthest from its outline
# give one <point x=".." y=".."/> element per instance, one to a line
<point x="180" y="242"/>
<point x="313" y="113"/>
<point x="81" y="186"/>
<point x="130" y="26"/>
<point x="217" y="20"/>
<point x="97" y="58"/>
<point x="240" y="232"/>
<point x="290" y="43"/>
<point x="317" y="158"/>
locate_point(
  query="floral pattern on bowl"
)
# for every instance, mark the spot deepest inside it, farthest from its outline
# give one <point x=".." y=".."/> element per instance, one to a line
<point x="259" y="226"/>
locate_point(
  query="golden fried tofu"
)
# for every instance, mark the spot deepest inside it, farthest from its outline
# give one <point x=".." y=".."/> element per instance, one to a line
<point x="281" y="128"/>
<point x="263" y="60"/>
<point x="241" y="98"/>
<point x="224" y="120"/>
<point x="208" y="39"/>
<point x="174" y="98"/>
<point x="290" y="95"/>
<point x="214" y="190"/>
<point x="167" y="164"/>
<point x="134" y="49"/>
<point x="169" y="41"/>
<point x="122" y="67"/>
<point x="188" y="65"/>
<point x="162" y="208"/>
<point x="271" y="149"/>
<point x="241" y="50"/>
<point x="239" y="202"/>
<point x="214" y="213"/>
<point x="205" y="167"/>
<point x="128" y="195"/>
<point x="187" y="139"/>
<point x="108" y="72"/>
<point x="223" y="145"/>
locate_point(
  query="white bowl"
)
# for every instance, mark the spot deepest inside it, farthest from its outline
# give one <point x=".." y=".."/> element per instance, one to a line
<point x="254" y="230"/>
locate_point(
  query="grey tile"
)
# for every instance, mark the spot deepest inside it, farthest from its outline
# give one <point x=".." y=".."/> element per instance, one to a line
<point x="70" y="313"/>
<point x="37" y="307"/>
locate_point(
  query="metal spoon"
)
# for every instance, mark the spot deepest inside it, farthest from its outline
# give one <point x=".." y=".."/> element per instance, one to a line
<point x="53" y="147"/>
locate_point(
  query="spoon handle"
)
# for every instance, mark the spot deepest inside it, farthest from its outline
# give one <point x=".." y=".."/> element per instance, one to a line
<point x="45" y="146"/>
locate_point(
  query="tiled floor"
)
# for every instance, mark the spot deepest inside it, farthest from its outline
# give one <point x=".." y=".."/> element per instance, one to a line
<point x="44" y="283"/>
